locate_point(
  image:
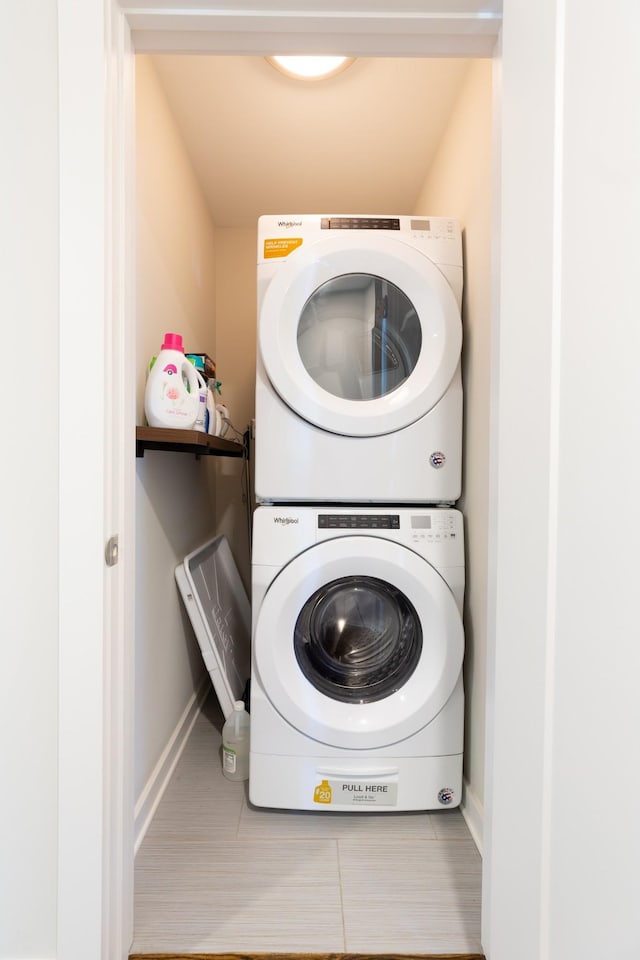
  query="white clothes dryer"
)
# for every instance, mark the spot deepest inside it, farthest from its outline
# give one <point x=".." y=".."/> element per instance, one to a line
<point x="358" y="387"/>
<point x="356" y="692"/>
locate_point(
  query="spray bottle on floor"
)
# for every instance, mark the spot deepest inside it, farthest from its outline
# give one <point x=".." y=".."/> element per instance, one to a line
<point x="235" y="744"/>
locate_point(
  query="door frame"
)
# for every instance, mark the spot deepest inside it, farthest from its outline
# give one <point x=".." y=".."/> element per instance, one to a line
<point x="95" y="881"/>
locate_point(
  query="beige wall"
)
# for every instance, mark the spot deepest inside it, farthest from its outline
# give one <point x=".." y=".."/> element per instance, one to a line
<point x="175" y="502"/>
<point x="459" y="185"/>
<point x="236" y="363"/>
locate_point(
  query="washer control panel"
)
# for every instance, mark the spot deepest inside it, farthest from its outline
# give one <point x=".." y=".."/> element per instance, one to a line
<point x="283" y="531"/>
<point x="433" y="528"/>
<point x="359" y="521"/>
<point x="421" y="527"/>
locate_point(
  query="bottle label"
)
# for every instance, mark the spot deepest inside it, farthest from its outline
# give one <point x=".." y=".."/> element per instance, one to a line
<point x="229" y="759"/>
<point x="357" y="793"/>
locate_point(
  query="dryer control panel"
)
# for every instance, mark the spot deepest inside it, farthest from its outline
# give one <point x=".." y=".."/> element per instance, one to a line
<point x="360" y="223"/>
<point x="439" y="238"/>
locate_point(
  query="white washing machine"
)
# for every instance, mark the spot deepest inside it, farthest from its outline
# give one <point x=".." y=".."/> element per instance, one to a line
<point x="358" y="388"/>
<point x="356" y="692"/>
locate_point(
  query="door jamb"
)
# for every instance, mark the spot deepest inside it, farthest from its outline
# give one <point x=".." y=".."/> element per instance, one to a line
<point x="110" y="732"/>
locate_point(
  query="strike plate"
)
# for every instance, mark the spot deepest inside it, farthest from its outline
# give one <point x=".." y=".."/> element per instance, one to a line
<point x="111" y="551"/>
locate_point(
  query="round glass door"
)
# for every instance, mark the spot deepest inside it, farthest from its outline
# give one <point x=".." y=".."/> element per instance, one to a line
<point x="359" y="337"/>
<point x="358" y="642"/>
<point x="358" y="639"/>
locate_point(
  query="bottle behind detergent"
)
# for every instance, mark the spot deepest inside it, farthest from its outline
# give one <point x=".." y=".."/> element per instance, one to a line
<point x="201" y="419"/>
<point x="213" y="418"/>
<point x="172" y="393"/>
<point x="222" y="412"/>
<point x="235" y="744"/>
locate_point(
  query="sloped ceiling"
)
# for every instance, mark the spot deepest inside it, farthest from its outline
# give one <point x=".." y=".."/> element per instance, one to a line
<point x="260" y="142"/>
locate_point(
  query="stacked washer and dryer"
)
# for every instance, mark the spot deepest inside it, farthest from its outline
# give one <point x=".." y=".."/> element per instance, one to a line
<point x="358" y="555"/>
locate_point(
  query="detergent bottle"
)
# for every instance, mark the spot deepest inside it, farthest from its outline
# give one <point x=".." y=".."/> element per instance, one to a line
<point x="172" y="393"/>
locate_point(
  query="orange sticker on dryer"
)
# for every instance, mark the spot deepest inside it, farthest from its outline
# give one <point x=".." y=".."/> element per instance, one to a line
<point x="281" y="246"/>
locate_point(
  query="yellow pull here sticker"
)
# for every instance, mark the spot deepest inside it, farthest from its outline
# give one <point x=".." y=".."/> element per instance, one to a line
<point x="280" y="246"/>
<point x="322" y="793"/>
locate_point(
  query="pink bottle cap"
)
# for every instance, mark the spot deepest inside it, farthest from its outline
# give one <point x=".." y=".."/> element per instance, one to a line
<point x="172" y="341"/>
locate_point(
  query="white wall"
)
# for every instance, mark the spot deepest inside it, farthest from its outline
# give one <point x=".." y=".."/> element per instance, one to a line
<point x="458" y="184"/>
<point x="562" y="877"/>
<point x="594" y="779"/>
<point x="175" y="502"/>
<point x="29" y="261"/>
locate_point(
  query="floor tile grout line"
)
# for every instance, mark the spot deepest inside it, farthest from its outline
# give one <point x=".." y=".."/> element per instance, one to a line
<point x="241" y="807"/>
<point x="340" y="888"/>
<point x="340" y="838"/>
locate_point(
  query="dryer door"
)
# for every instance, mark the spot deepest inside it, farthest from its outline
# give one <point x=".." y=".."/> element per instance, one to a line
<point x="358" y="642"/>
<point x="359" y="336"/>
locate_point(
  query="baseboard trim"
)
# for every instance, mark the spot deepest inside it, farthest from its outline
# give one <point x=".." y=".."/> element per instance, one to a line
<point x="147" y="803"/>
<point x="473" y="812"/>
<point x="307" y="956"/>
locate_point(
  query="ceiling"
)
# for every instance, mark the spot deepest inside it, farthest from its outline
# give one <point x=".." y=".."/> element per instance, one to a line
<point x="260" y="142"/>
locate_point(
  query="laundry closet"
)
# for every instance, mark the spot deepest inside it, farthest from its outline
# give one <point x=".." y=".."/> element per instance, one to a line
<point x="197" y="277"/>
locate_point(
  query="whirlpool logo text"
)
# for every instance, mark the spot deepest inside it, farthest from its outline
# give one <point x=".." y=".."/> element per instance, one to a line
<point x="289" y="223"/>
<point x="285" y="521"/>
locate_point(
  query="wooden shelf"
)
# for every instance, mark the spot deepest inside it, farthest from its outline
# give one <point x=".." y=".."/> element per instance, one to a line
<point x="188" y="441"/>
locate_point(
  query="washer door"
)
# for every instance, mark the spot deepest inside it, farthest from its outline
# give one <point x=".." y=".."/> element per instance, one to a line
<point x="358" y="642"/>
<point x="359" y="336"/>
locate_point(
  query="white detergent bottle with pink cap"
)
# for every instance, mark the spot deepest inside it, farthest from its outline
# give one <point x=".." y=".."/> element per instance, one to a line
<point x="172" y="393"/>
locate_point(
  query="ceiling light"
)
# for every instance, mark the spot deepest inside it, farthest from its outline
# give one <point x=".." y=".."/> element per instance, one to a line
<point x="310" y="68"/>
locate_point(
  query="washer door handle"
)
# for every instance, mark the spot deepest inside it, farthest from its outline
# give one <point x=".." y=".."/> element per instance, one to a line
<point x="361" y="774"/>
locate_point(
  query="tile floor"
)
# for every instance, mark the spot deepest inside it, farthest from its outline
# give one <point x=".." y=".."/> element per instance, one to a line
<point x="214" y="874"/>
